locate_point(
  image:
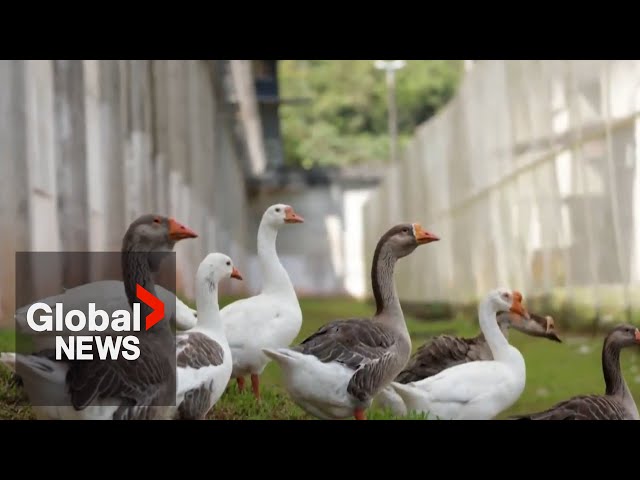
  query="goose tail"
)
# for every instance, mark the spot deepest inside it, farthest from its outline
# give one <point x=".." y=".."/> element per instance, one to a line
<point x="283" y="356"/>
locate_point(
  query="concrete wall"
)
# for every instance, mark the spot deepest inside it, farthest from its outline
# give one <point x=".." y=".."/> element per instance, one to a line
<point x="87" y="146"/>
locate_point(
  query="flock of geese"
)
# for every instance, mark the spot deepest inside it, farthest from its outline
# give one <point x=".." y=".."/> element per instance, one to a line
<point x="338" y="372"/>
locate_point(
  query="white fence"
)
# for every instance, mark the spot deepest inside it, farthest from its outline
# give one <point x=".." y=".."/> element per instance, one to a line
<point x="530" y="177"/>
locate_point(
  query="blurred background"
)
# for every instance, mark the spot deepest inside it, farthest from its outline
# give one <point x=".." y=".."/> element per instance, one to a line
<point x="525" y="169"/>
<point x="87" y="146"/>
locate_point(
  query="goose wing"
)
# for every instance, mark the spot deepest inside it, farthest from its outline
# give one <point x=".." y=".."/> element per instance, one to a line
<point x="138" y="382"/>
<point x="359" y="344"/>
<point x="442" y="352"/>
<point x="583" y="407"/>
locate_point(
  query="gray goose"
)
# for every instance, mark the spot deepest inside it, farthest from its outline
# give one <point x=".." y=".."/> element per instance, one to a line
<point x="115" y="389"/>
<point x="336" y="372"/>
<point x="617" y="402"/>
<point x="445" y="351"/>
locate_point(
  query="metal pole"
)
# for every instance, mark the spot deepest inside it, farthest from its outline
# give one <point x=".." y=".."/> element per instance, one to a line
<point x="390" y="67"/>
<point x="393" y="114"/>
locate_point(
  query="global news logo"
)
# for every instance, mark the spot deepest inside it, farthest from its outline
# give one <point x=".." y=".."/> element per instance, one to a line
<point x="85" y="347"/>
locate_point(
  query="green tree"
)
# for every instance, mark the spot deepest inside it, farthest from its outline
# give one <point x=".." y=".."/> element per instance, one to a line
<point x="345" y="118"/>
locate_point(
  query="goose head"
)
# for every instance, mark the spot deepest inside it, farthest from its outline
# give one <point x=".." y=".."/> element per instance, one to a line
<point x="150" y="233"/>
<point x="215" y="267"/>
<point x="624" y="335"/>
<point x="404" y="238"/>
<point x="505" y="300"/>
<point x="281" y="214"/>
<point x="535" y="325"/>
<point x="155" y="236"/>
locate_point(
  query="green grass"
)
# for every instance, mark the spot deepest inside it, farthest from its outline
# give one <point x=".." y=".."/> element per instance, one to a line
<point x="555" y="371"/>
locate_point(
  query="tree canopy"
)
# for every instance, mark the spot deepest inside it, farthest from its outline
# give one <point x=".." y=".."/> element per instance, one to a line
<point x="344" y="120"/>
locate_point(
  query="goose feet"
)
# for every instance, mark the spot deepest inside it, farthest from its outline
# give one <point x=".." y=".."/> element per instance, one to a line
<point x="255" y="385"/>
<point x="359" y="414"/>
<point x="240" y="381"/>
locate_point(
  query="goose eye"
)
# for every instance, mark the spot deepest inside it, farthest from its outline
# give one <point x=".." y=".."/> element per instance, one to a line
<point x="405" y="230"/>
<point x="229" y="264"/>
<point x="278" y="210"/>
<point x="156" y="220"/>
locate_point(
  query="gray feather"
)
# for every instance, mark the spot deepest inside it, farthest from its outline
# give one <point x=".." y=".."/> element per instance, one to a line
<point x="196" y="350"/>
<point x="196" y="403"/>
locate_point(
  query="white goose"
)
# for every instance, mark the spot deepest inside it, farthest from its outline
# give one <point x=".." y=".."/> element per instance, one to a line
<point x="203" y="357"/>
<point x="271" y="319"/>
<point x="476" y="390"/>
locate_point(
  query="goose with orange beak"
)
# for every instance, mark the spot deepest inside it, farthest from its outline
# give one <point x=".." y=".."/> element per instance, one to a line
<point x="445" y="351"/>
<point x="336" y="372"/>
<point x="273" y="317"/>
<point x="617" y="402"/>
<point x="477" y="390"/>
<point x="120" y="388"/>
<point x="109" y="295"/>
<point x="203" y="356"/>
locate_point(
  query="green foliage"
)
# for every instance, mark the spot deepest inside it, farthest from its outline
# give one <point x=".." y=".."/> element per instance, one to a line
<point x="345" y="120"/>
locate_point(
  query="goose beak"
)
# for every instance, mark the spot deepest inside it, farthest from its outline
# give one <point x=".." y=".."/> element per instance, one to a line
<point x="550" y="330"/>
<point x="177" y="231"/>
<point x="422" y="236"/>
<point x="535" y="325"/>
<point x="290" y="216"/>
<point x="550" y="323"/>
<point x="236" y="274"/>
<point x="516" y="305"/>
<point x="637" y="336"/>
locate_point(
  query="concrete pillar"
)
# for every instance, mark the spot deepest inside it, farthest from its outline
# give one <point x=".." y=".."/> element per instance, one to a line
<point x="69" y="129"/>
<point x="112" y="146"/>
<point x="14" y="191"/>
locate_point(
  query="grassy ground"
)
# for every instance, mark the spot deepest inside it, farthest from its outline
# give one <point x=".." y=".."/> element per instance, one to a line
<point x="554" y="371"/>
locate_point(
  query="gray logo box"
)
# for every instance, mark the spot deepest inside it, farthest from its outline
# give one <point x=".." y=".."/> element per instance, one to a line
<point x="69" y="282"/>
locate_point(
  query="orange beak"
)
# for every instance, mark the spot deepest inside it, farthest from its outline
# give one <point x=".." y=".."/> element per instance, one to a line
<point x="177" y="231"/>
<point x="516" y="305"/>
<point x="236" y="274"/>
<point x="292" y="217"/>
<point x="637" y="336"/>
<point x="422" y="236"/>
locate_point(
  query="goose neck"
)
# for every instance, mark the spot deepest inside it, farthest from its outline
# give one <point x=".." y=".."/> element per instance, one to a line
<point x="207" y="306"/>
<point x="492" y="333"/>
<point x="136" y="271"/>
<point x="383" y="284"/>
<point x="275" y="276"/>
<point x="613" y="379"/>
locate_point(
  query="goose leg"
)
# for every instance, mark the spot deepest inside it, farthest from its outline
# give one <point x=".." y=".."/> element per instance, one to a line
<point x="240" y="381"/>
<point x="255" y="384"/>
<point x="359" y="414"/>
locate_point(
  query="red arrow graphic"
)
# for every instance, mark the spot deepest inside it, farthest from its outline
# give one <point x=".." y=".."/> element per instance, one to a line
<point x="154" y="302"/>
